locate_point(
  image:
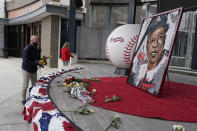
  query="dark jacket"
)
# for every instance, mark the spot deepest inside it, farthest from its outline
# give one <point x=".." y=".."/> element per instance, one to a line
<point x="31" y="55"/>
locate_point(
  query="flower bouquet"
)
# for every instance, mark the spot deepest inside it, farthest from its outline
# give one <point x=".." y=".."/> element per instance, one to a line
<point x="43" y="60"/>
<point x="78" y="88"/>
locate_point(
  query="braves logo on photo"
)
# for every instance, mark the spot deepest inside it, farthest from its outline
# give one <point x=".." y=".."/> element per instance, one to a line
<point x="127" y="51"/>
<point x="121" y="43"/>
<point x="121" y="39"/>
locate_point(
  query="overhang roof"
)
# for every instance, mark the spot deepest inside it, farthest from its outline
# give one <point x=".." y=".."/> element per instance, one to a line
<point x="4" y="21"/>
<point x="39" y="14"/>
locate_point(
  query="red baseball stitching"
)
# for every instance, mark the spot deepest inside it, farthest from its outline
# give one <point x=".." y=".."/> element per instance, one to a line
<point x="127" y="50"/>
<point x="107" y="51"/>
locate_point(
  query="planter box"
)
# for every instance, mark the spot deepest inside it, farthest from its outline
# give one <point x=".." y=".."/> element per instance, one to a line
<point x="5" y="54"/>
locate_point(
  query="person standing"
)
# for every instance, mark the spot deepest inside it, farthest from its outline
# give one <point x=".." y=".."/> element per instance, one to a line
<point x="31" y="57"/>
<point x="65" y="54"/>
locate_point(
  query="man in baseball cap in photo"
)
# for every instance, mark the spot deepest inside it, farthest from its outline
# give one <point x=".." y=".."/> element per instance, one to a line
<point x="150" y="71"/>
<point x="156" y="34"/>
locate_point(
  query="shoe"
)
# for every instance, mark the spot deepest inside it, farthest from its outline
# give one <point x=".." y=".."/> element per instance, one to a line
<point x="23" y="102"/>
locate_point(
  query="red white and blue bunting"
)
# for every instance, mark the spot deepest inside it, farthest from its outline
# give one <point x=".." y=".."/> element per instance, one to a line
<point x="40" y="109"/>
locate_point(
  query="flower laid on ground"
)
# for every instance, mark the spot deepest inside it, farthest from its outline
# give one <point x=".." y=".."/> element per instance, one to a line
<point x="86" y="84"/>
<point x="94" y="79"/>
<point x="84" y="111"/>
<point x="82" y="82"/>
<point x="93" y="92"/>
<point x="43" y="60"/>
<point x="178" y="128"/>
<point x="114" y="122"/>
<point x="114" y="98"/>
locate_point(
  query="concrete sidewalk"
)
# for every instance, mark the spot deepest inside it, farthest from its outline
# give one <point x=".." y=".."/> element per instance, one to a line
<point x="10" y="96"/>
<point x="11" y="117"/>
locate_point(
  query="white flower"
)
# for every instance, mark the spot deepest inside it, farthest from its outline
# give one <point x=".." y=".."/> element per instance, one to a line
<point x="178" y="128"/>
<point x="91" y="111"/>
<point x="116" y="117"/>
<point x="94" y="90"/>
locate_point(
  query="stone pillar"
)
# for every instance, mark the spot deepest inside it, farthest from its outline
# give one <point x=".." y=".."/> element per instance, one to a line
<point x="2" y="15"/>
<point x="1" y="39"/>
<point x="50" y="39"/>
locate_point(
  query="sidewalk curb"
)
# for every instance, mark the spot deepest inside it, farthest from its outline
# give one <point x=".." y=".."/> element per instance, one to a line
<point x="95" y="62"/>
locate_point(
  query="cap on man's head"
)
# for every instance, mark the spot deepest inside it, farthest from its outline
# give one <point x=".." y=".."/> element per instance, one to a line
<point x="158" y="21"/>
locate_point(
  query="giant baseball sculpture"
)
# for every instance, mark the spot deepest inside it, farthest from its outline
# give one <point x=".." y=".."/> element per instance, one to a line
<point x="120" y="45"/>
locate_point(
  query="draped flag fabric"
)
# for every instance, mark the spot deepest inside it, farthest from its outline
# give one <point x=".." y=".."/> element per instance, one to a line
<point x="50" y="120"/>
<point x="40" y="110"/>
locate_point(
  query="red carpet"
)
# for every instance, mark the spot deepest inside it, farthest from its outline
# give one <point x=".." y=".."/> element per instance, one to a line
<point x="178" y="102"/>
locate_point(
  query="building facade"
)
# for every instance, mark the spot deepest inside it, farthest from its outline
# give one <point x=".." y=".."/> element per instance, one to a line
<point x="105" y="15"/>
<point x="44" y="18"/>
<point x="49" y="19"/>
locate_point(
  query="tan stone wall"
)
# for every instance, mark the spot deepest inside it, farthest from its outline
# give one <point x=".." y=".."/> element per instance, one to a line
<point x="1" y="39"/>
<point x="15" y="4"/>
<point x="46" y="35"/>
<point x="50" y="39"/>
<point x="54" y="40"/>
<point x="24" y="10"/>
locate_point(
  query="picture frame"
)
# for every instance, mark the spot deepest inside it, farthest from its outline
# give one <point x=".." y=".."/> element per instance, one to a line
<point x="153" y="51"/>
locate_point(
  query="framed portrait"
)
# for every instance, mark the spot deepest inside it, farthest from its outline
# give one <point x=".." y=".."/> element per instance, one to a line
<point x="153" y="51"/>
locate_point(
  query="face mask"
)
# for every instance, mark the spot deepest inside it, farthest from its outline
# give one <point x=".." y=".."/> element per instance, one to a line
<point x="35" y="44"/>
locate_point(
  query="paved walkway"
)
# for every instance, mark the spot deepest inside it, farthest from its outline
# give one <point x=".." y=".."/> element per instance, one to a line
<point x="11" y="118"/>
<point x="11" y="107"/>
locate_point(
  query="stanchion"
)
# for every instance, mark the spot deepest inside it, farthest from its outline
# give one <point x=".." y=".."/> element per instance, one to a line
<point x="168" y="79"/>
<point x="121" y="71"/>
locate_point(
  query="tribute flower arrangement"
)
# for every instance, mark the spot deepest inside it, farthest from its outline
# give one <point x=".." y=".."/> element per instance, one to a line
<point x="43" y="60"/>
<point x="78" y="88"/>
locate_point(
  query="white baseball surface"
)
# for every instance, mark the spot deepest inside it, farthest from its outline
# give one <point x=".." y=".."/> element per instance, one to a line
<point x="121" y="43"/>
